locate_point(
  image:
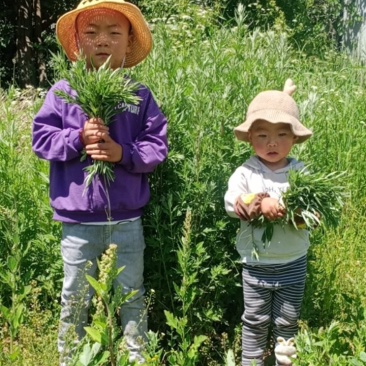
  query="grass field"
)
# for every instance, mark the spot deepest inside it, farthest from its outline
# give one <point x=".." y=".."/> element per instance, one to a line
<point x="203" y="84"/>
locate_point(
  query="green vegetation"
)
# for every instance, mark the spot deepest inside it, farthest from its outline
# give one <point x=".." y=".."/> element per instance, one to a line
<point x="98" y="91"/>
<point x="104" y="344"/>
<point x="312" y="199"/>
<point x="311" y="25"/>
<point x="203" y="78"/>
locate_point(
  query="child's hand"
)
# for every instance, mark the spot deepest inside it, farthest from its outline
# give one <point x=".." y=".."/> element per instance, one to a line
<point x="271" y="209"/>
<point x="106" y="150"/>
<point x="93" y="131"/>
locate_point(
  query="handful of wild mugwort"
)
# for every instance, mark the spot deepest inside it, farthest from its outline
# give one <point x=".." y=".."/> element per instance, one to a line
<point x="98" y="93"/>
<point x="312" y="199"/>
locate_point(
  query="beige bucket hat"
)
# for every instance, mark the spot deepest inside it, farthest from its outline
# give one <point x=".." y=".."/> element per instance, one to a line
<point x="274" y="106"/>
<point x="142" y="42"/>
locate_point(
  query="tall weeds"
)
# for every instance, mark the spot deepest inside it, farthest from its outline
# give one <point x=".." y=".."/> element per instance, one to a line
<point x="204" y="81"/>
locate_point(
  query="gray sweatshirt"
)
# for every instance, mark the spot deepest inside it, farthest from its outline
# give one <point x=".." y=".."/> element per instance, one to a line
<point x="287" y="244"/>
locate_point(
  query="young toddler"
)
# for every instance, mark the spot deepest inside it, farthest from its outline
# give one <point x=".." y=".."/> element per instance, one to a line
<point x="274" y="280"/>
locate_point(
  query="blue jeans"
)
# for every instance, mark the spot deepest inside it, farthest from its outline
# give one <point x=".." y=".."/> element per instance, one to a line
<point x="85" y="243"/>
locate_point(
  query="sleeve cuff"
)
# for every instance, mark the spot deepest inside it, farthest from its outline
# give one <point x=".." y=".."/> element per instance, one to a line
<point x="127" y="152"/>
<point x="75" y="139"/>
<point x="248" y="206"/>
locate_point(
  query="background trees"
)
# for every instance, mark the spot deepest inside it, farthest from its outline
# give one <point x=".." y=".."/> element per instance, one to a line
<point x="27" y="27"/>
<point x="26" y="36"/>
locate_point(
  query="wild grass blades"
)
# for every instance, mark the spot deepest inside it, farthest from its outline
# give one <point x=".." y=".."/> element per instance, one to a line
<point x="98" y="92"/>
<point x="312" y="199"/>
<point x="316" y="198"/>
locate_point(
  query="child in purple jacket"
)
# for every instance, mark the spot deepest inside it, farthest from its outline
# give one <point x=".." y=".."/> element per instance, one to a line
<point x="136" y="142"/>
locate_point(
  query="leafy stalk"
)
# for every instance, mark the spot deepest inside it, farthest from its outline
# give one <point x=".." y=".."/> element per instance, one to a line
<point x="98" y="92"/>
<point x="102" y="343"/>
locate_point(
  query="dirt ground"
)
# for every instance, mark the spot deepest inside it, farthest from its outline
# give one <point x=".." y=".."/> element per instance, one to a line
<point x="270" y="360"/>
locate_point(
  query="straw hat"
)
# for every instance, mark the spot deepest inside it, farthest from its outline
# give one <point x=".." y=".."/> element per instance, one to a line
<point x="142" y="43"/>
<point x="275" y="107"/>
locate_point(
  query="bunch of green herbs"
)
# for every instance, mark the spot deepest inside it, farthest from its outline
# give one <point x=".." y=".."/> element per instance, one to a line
<point x="97" y="93"/>
<point x="312" y="199"/>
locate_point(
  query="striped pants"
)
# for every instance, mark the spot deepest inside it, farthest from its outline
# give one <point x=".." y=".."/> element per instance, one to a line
<point x="272" y="296"/>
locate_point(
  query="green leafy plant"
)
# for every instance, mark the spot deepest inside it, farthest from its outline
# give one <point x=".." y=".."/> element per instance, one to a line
<point x="327" y="346"/>
<point x="11" y="276"/>
<point x="186" y="293"/>
<point x="98" y="92"/>
<point x="100" y="346"/>
<point x="312" y="199"/>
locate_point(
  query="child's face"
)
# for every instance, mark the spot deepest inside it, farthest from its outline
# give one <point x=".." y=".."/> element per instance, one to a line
<point x="101" y="33"/>
<point x="272" y="142"/>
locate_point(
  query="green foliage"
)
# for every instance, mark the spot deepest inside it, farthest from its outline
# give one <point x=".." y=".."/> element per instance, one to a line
<point x="101" y="345"/>
<point x="97" y="93"/>
<point x="28" y="255"/>
<point x="35" y="342"/>
<point x="312" y="199"/>
<point x="312" y="25"/>
<point x="204" y="91"/>
<point x="190" y="265"/>
<point x="25" y="232"/>
<point x="319" y="197"/>
<point x="185" y="21"/>
<point x="11" y="277"/>
<point x="329" y="347"/>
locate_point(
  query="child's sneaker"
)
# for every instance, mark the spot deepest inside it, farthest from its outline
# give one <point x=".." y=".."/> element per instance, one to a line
<point x="285" y="351"/>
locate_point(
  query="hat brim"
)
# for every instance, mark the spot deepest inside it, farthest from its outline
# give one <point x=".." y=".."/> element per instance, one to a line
<point x="142" y="39"/>
<point x="273" y="116"/>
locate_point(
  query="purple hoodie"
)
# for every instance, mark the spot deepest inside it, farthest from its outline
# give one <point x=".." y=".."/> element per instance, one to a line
<point x="140" y="130"/>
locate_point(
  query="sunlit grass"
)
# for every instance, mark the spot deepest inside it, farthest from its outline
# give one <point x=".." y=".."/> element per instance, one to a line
<point x="204" y="91"/>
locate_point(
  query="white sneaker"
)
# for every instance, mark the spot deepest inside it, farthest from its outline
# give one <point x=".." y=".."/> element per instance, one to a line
<point x="285" y="351"/>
